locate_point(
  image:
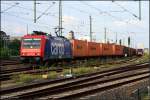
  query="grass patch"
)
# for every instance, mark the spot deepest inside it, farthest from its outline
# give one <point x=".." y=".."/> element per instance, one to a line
<point x="146" y="97"/>
<point x="83" y="70"/>
<point x="79" y="71"/>
<point x="43" y="67"/>
<point x="66" y="71"/>
<point x="144" y="58"/>
<point x="52" y="75"/>
<point x="25" y="78"/>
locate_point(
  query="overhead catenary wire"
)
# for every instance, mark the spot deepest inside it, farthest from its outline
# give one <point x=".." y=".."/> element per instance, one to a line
<point x="30" y="9"/>
<point x="79" y="10"/>
<point x="22" y="18"/>
<point x="127" y="10"/>
<point x="44" y="13"/>
<point x="10" y="7"/>
<point x="35" y="19"/>
<point x="102" y="11"/>
<point x="82" y="11"/>
<point x="127" y="22"/>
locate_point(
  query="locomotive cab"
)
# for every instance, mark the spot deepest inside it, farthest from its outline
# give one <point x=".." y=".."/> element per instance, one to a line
<point x="31" y="48"/>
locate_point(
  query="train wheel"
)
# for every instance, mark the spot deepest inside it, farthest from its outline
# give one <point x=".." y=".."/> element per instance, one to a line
<point x="46" y="63"/>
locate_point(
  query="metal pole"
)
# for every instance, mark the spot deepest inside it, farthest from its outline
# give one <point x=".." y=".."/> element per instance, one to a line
<point x="90" y="28"/>
<point x="27" y="28"/>
<point x="138" y="92"/>
<point x="130" y="42"/>
<point x="105" y="34"/>
<point x="116" y="38"/>
<point x="60" y="19"/>
<point x="139" y="9"/>
<point x="34" y="11"/>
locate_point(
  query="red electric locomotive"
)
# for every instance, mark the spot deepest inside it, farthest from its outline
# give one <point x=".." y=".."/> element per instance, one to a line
<point x="42" y="48"/>
<point x="32" y="47"/>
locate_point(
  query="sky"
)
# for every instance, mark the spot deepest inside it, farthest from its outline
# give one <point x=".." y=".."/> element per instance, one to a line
<point x="17" y="19"/>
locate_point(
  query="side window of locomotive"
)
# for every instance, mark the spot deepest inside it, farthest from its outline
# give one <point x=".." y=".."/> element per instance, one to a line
<point x="31" y="43"/>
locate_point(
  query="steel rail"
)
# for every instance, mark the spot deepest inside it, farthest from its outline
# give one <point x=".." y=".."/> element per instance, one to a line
<point x="17" y="88"/>
<point x="96" y="90"/>
<point x="71" y="87"/>
<point x="105" y="73"/>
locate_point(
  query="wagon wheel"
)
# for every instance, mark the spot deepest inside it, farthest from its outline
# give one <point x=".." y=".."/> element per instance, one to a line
<point x="46" y="63"/>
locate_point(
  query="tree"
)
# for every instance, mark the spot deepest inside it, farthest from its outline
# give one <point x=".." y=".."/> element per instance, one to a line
<point x="14" y="47"/>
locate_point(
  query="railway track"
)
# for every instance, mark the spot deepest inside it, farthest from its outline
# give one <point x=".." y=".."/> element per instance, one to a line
<point x="86" y="84"/>
<point x="27" y="70"/>
<point x="9" y="62"/>
<point x="124" y="61"/>
<point x="83" y="91"/>
<point x="19" y="69"/>
<point x="6" y="74"/>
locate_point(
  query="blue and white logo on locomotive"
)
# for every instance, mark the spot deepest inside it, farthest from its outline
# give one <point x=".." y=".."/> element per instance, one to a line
<point x="57" y="47"/>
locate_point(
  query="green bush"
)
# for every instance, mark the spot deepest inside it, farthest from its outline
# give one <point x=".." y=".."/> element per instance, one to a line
<point x="4" y="53"/>
<point x="14" y="52"/>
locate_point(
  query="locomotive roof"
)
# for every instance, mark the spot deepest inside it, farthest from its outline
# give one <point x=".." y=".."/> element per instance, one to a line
<point x="43" y="36"/>
<point x="34" y="36"/>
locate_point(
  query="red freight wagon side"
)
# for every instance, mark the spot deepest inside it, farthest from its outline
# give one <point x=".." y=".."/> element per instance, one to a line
<point x="117" y="50"/>
<point x="93" y="49"/>
<point x="79" y="48"/>
<point x="100" y="49"/>
<point x="129" y="51"/>
<point x="132" y="51"/>
<point x="107" y="49"/>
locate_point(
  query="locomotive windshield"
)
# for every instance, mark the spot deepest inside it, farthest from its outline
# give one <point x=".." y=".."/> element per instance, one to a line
<point x="140" y="50"/>
<point x="31" y="43"/>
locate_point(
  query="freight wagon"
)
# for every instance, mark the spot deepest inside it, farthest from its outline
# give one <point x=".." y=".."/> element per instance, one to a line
<point x="93" y="49"/>
<point x="79" y="48"/>
<point x="117" y="50"/>
<point x="107" y="49"/>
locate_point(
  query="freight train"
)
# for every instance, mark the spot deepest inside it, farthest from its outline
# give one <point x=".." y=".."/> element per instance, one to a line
<point x="42" y="48"/>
